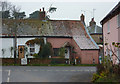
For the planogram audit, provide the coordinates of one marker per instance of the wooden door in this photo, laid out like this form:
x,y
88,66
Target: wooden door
x,y
21,51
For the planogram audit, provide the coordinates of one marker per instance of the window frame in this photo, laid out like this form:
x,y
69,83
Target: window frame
x,y
56,51
118,20
32,47
108,27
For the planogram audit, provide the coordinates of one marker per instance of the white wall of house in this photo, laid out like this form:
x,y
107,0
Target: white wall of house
x,y
7,43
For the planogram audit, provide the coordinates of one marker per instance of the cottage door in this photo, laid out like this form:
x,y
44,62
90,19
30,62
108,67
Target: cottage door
x,y
21,51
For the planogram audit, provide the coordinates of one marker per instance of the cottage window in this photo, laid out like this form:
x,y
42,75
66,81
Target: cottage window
x,y
56,51
32,48
108,26
118,20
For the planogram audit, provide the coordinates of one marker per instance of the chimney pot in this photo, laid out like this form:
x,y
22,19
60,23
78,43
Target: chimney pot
x,y
40,10
43,9
82,17
92,22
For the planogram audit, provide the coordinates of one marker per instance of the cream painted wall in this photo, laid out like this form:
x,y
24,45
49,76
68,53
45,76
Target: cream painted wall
x,y
7,43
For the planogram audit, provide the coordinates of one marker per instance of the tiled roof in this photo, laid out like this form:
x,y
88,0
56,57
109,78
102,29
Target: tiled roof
x,y
94,29
70,28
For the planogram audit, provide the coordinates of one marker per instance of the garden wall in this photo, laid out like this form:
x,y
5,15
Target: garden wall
x,y
10,61
38,61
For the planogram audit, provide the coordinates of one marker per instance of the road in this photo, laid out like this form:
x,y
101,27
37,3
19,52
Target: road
x,y
47,73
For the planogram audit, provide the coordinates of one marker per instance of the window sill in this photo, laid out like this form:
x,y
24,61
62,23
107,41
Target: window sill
x,y
108,33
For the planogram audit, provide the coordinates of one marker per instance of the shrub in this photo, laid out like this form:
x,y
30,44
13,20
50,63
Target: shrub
x,y
95,77
46,51
100,68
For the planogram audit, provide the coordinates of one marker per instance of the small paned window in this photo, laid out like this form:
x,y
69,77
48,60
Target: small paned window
x,y
32,48
56,51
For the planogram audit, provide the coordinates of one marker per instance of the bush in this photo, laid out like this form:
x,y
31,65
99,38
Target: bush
x,y
95,77
46,51
100,68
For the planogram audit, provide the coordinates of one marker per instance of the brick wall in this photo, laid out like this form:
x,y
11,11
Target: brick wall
x,y
88,56
10,61
38,61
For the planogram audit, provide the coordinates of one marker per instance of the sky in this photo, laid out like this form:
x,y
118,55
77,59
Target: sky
x,y
69,9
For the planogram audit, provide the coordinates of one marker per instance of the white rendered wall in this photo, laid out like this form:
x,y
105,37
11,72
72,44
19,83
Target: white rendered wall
x,y
7,43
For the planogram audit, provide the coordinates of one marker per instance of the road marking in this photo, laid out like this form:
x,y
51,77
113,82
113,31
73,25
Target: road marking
x,y
49,70
72,70
57,70
65,70
86,70
28,70
8,79
9,73
93,70
79,70
6,70
35,70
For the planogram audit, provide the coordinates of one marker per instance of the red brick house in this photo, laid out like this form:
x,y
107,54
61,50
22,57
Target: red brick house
x,y
60,33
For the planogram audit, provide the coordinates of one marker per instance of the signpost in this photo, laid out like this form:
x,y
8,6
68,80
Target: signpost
x,y
23,61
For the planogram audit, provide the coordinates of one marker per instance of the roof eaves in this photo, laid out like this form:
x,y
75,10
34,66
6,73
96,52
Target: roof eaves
x,y
112,13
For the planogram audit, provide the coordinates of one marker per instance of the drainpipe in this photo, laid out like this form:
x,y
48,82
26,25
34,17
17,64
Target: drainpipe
x,y
103,41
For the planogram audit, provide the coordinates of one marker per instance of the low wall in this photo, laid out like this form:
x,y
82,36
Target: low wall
x,y
10,61
38,61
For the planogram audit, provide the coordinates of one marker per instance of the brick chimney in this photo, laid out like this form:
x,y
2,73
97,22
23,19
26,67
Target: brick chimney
x,y
82,18
40,10
92,22
43,9
42,14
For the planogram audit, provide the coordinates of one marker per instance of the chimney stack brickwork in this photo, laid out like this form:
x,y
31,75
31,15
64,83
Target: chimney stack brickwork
x,y
82,17
42,14
92,22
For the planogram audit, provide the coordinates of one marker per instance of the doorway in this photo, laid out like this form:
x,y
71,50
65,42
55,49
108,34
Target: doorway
x,y
21,51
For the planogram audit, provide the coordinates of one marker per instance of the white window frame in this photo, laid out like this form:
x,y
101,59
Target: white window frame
x,y
32,47
108,26
118,20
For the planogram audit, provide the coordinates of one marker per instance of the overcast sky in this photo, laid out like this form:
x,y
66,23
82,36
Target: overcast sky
x,y
69,9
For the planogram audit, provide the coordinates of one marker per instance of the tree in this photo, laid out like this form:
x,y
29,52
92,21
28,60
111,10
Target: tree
x,y
11,11
5,14
16,14
5,6
52,9
46,51
19,15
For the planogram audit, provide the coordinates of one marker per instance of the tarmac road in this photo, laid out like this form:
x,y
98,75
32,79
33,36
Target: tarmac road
x,y
47,73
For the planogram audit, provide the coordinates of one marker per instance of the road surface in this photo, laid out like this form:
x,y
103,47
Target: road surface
x,y
47,73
